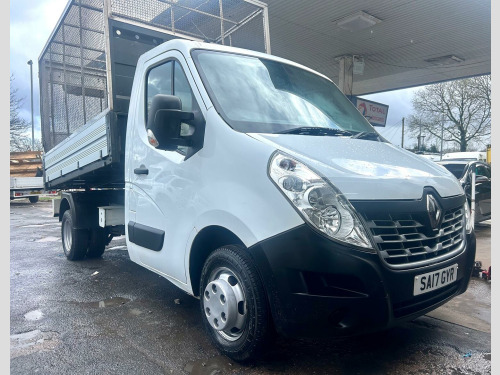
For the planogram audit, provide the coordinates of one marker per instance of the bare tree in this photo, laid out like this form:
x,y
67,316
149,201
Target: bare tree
x,y
459,110
23,143
18,125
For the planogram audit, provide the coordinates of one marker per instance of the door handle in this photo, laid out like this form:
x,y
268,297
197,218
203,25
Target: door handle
x,y
141,170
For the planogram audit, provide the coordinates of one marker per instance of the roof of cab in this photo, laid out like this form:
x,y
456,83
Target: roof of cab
x,y
186,46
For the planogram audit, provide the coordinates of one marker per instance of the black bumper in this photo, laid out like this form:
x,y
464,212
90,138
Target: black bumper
x,y
317,287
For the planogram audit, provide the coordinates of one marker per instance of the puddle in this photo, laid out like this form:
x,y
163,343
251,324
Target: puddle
x,y
33,315
49,239
31,342
37,225
214,366
111,302
117,248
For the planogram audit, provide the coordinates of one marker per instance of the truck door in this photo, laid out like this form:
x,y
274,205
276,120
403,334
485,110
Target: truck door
x,y
161,183
483,190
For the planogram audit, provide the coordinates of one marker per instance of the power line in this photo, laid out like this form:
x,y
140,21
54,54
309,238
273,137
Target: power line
x,y
392,130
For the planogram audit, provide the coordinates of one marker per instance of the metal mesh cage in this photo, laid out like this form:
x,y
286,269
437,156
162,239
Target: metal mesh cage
x,y
239,23
73,82
73,71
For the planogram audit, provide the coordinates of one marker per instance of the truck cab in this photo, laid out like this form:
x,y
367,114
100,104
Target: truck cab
x,y
253,184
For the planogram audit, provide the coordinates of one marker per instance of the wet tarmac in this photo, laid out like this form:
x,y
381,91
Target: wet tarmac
x,y
111,316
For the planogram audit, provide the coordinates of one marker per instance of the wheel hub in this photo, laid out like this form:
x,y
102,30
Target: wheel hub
x,y
67,238
224,305
220,304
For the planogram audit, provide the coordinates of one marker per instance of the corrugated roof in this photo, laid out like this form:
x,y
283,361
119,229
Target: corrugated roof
x,y
395,49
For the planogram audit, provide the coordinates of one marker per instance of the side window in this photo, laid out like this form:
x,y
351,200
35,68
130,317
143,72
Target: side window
x,y
159,81
169,79
481,170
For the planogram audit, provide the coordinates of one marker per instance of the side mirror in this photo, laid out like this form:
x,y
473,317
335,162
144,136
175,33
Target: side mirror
x,y
481,179
164,123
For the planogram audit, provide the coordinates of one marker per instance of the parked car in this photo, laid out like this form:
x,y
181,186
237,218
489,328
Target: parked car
x,y
462,169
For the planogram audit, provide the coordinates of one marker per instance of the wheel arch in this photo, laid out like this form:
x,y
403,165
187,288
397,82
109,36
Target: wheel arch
x,y
65,205
206,241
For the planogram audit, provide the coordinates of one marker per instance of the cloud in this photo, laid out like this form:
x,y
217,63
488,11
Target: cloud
x,y
31,23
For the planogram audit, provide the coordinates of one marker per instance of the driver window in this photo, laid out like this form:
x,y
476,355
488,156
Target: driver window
x,y
159,82
169,79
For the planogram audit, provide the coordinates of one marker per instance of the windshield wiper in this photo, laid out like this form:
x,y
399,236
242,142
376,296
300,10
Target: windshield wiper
x,y
367,135
308,130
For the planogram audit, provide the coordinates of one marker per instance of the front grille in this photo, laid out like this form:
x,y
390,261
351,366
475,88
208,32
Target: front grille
x,y
405,239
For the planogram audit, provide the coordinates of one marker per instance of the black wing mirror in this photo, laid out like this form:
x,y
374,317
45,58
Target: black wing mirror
x,y
164,123
481,179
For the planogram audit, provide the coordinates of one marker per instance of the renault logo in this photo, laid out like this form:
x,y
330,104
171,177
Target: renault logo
x,y
434,211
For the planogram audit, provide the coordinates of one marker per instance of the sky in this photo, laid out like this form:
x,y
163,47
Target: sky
x,y
399,102
31,23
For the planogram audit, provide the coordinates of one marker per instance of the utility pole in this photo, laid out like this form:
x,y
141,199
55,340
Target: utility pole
x,y
403,134
442,136
30,63
419,136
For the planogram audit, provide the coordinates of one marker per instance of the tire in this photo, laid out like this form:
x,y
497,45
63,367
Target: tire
x,y
97,242
75,241
242,314
33,199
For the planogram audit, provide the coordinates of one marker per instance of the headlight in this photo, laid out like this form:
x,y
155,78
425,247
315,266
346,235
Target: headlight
x,y
467,218
321,204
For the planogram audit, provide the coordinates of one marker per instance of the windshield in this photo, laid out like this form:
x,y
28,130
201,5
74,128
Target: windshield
x,y
256,95
457,169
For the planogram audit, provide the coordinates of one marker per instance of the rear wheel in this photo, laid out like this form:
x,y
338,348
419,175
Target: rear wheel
x,y
75,241
33,199
233,304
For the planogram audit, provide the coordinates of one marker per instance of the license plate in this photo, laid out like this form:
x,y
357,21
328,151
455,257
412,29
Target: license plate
x,y
428,282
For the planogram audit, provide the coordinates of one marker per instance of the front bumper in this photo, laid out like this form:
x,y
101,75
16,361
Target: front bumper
x,y
317,287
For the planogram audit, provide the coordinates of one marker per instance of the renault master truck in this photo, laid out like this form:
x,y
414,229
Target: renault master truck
x,y
248,181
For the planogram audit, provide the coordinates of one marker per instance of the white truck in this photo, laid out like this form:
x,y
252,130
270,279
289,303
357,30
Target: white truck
x,y
468,155
249,181
26,187
26,173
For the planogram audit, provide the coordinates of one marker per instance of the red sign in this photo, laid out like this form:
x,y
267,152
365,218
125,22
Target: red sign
x,y
375,113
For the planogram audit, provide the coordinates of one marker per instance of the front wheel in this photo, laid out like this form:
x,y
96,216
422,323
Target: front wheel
x,y
233,303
